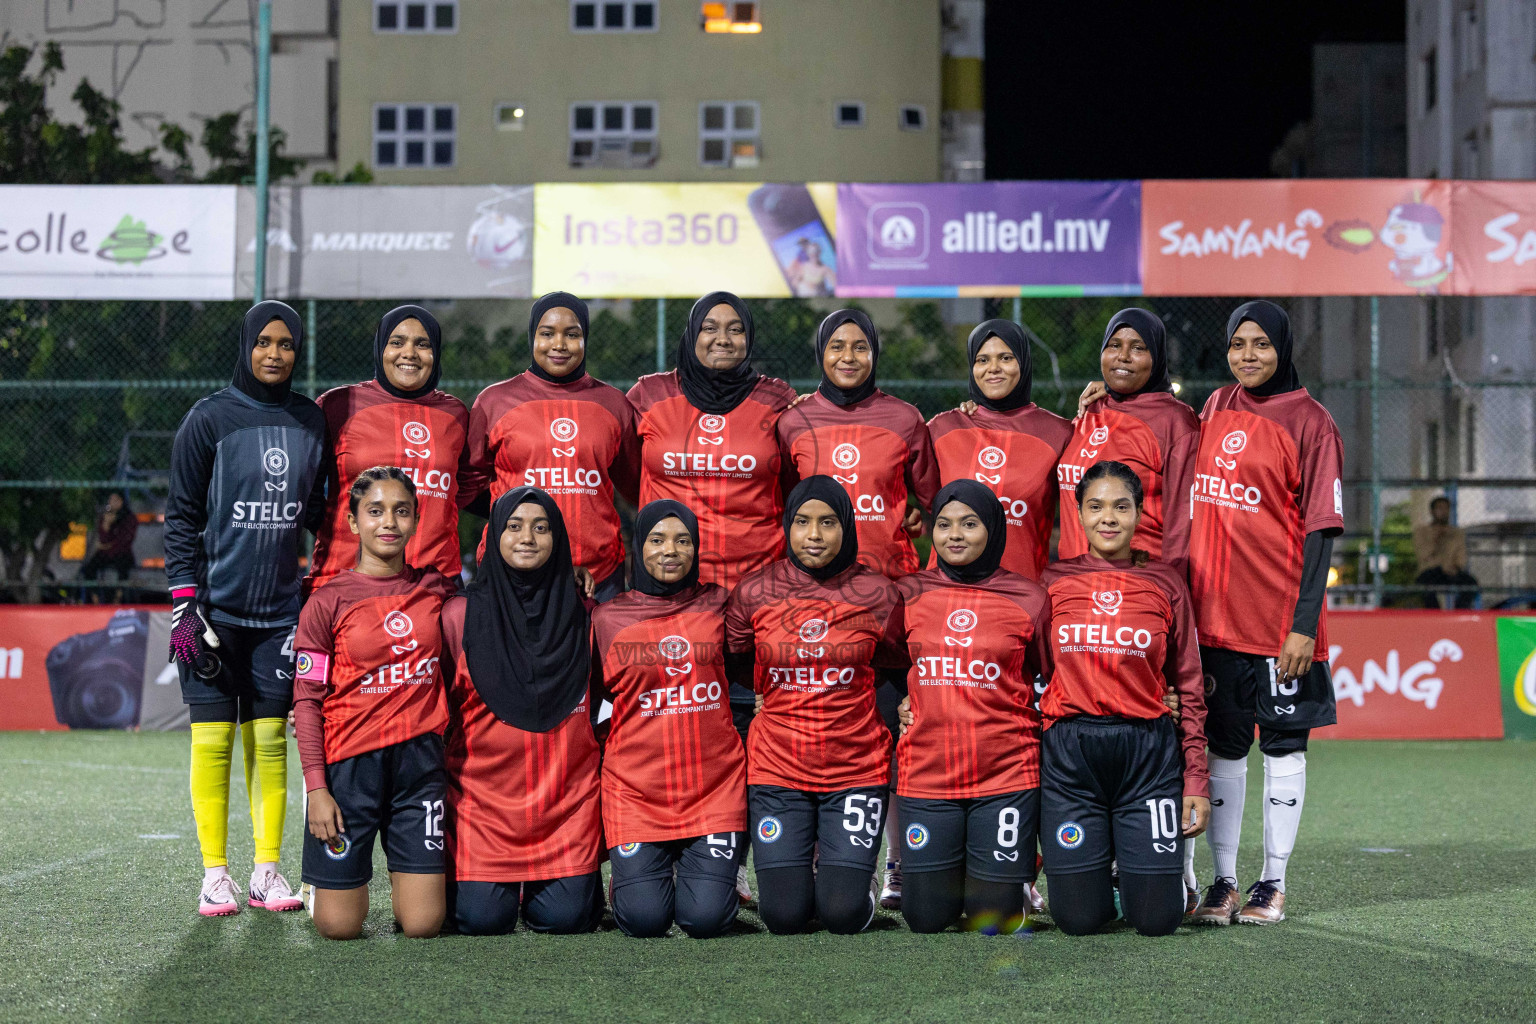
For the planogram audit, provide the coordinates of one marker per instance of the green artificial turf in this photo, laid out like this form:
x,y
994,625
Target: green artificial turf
x,y
1413,898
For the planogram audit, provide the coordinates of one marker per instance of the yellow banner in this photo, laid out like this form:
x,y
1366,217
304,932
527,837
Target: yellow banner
x,y
683,240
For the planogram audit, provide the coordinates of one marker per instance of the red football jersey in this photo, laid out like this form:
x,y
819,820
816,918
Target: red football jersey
x,y
1121,635
814,641
1267,473
1156,435
879,450
975,650
522,806
725,468
367,655
576,441
1014,453
673,767
366,426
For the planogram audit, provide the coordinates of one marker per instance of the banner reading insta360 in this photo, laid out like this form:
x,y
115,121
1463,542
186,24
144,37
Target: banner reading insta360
x,y
684,240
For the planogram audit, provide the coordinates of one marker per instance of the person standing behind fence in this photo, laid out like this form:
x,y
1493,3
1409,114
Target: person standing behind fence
x,y
1268,501
558,428
401,419
116,529
245,482
1133,418
1001,438
1440,550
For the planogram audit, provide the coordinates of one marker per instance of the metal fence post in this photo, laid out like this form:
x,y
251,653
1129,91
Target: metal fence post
x,y
314,341
1376,554
263,138
1018,310
661,335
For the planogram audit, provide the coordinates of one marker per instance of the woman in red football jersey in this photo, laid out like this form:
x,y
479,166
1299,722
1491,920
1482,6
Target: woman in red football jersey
x,y
968,761
1132,416
369,713
674,773
1120,782
558,428
1001,438
399,418
524,830
804,632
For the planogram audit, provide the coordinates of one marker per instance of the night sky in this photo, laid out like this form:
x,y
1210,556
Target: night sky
x,y
1158,89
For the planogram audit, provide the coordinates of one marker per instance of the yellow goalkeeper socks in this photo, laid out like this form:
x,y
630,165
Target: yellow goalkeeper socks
x,y
266,782
213,745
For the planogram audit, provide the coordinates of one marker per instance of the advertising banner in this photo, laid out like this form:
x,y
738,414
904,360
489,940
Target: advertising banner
x,y
1517,675
1494,234
681,241
405,241
1297,237
117,241
1414,675
991,238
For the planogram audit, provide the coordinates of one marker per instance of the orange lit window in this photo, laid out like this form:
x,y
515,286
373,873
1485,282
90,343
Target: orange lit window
x,y
731,17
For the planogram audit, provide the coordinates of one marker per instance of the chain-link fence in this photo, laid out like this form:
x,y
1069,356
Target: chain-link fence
x,y
91,393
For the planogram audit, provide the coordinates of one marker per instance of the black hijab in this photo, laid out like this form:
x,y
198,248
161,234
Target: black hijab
x,y
1150,326
525,633
834,320
545,303
716,391
257,318
645,522
823,488
1012,336
387,325
990,510
1277,325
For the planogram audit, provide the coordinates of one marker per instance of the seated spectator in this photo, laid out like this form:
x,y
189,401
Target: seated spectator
x,y
1441,550
115,531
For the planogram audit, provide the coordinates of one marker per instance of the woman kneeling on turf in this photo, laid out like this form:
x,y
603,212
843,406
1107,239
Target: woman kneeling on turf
x,y
369,712
674,774
1113,787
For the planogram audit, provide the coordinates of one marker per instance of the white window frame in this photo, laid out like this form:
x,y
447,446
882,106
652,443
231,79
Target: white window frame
x,y
730,135
428,136
431,27
837,114
922,117
629,16
607,143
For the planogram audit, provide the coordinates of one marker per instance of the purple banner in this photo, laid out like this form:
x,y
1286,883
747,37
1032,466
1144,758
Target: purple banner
x,y
990,238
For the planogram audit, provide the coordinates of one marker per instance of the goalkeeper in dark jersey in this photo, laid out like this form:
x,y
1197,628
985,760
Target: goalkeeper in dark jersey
x,y
244,486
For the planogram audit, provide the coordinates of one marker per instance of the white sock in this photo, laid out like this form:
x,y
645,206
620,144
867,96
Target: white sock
x,y
1229,785
1285,790
209,874
1190,881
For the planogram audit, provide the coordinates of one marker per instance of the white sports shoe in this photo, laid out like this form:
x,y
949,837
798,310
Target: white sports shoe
x,y
220,897
743,890
890,887
271,891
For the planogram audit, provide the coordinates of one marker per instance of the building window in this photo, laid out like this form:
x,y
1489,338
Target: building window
x,y
613,15
913,118
1469,436
1432,450
509,117
415,16
729,134
1431,82
412,135
848,114
739,18
613,134
1467,41
1431,327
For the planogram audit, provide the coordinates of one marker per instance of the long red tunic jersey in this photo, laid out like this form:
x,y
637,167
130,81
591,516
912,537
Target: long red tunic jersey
x,y
366,427
673,767
724,467
577,441
522,806
367,666
879,450
975,650
814,641
1156,435
1120,636
1014,453
1267,473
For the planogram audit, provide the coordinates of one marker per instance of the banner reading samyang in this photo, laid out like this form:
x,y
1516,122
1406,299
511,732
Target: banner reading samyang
x,y
1297,237
992,238
1494,236
621,240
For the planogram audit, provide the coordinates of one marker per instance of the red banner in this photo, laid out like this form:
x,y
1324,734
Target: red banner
x,y
76,666
1414,675
1494,236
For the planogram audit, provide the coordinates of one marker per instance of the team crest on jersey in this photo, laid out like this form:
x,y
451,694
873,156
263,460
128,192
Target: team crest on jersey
x,y
1235,442
1099,436
563,430
1070,836
416,433
770,829
711,424
917,836
845,456
992,457
274,461
398,624
961,620
813,631
674,647
339,847
303,663
628,849
1107,602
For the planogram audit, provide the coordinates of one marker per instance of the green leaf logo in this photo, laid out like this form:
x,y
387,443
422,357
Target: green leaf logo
x,y
131,242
